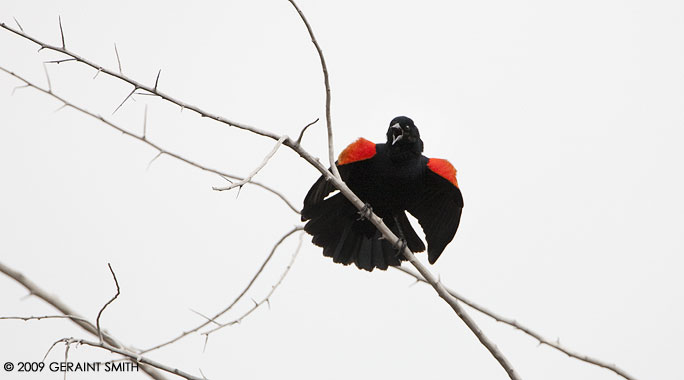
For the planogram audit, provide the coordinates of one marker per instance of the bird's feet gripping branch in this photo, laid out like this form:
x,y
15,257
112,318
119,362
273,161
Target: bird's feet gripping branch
x,y
365,212
394,177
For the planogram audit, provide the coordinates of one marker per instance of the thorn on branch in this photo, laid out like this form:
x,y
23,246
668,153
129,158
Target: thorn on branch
x,y
251,175
48,78
19,87
145,124
205,317
99,69
156,82
124,101
204,348
301,134
154,159
58,61
18,24
63,106
26,296
118,60
61,31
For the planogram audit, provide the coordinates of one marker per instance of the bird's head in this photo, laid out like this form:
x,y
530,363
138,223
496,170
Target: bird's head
x,y
403,136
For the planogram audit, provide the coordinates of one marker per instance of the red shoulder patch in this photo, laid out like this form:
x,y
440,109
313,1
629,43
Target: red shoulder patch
x,y
359,150
444,169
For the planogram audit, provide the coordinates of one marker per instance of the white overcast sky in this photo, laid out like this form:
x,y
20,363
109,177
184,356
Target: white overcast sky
x,y
565,121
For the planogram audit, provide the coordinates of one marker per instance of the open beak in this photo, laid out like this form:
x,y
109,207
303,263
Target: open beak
x,y
397,133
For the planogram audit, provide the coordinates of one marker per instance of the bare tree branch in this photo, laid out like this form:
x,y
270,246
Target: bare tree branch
x,y
301,134
387,234
326,80
256,170
335,180
99,314
525,329
235,301
71,314
149,89
265,299
134,357
37,318
145,140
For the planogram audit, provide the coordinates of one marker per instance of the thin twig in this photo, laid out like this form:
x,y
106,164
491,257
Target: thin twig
x,y
49,90
265,299
118,291
66,355
18,24
257,169
37,318
156,81
67,311
525,329
124,101
326,81
150,143
205,317
149,89
134,357
238,298
118,60
58,61
61,31
144,134
301,134
18,88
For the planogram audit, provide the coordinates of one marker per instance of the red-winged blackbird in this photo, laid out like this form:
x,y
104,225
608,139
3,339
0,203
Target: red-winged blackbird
x,y
392,178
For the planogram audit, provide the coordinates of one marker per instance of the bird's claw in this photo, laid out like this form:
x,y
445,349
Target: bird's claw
x,y
365,212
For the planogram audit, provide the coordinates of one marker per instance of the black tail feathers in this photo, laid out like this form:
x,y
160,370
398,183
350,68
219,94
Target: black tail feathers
x,y
336,227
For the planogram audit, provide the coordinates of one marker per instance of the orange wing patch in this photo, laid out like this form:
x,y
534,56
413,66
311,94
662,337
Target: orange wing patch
x,y
359,150
444,169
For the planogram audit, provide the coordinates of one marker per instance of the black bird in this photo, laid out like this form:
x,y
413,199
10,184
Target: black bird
x,y
392,178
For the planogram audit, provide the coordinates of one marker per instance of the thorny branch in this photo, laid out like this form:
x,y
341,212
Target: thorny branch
x,y
38,318
146,140
335,180
387,234
132,356
71,314
266,299
326,81
525,329
235,301
256,170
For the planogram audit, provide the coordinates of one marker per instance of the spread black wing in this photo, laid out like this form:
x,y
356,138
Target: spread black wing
x,y
438,210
